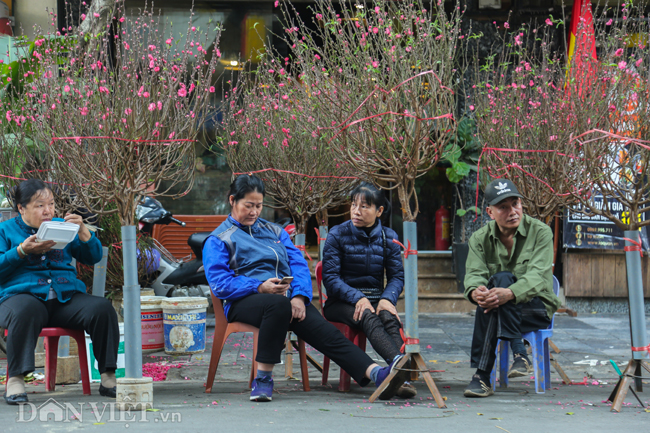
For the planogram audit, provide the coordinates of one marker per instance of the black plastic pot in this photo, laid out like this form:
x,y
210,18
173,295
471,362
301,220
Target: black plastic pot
x,y
459,253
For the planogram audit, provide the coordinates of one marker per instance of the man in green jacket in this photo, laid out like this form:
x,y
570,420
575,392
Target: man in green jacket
x,y
509,277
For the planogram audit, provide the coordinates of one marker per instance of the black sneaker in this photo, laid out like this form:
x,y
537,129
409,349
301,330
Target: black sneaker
x,y
520,367
406,391
478,387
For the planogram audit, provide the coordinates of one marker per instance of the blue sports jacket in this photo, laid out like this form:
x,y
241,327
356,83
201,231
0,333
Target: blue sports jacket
x,y
35,274
238,258
354,261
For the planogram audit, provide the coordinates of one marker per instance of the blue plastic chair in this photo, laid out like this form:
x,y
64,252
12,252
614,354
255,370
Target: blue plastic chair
x,y
541,356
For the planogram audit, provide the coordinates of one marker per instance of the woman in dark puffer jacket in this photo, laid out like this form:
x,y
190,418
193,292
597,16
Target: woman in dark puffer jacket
x,y
355,256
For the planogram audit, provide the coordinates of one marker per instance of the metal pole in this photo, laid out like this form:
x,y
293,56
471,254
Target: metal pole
x,y
64,346
322,233
411,287
99,274
635,296
299,241
131,298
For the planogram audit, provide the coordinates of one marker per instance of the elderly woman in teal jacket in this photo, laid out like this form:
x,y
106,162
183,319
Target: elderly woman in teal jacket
x,y
39,288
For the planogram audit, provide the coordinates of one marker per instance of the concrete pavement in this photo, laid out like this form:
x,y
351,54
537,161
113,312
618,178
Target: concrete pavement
x,y
586,342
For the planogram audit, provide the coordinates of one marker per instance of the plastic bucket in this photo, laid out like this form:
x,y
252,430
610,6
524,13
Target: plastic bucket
x,y
153,335
151,322
184,325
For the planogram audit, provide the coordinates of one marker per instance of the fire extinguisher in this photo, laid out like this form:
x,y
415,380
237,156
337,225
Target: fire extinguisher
x,y
442,235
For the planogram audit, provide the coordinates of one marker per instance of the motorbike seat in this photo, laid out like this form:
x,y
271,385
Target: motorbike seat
x,y
196,242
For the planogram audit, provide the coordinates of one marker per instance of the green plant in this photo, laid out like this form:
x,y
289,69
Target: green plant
x,y
462,155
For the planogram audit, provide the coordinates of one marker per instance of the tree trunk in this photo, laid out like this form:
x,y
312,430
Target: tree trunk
x,y
94,25
300,221
323,217
403,194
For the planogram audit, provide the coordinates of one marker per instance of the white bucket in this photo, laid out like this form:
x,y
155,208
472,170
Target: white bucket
x,y
151,316
153,339
184,325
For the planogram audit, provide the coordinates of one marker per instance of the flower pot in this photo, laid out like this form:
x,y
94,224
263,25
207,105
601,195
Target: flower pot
x,y
459,253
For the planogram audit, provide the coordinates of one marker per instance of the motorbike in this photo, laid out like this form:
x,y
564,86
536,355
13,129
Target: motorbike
x,y
173,277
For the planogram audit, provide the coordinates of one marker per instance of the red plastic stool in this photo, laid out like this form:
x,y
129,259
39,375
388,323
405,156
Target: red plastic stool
x,y
356,336
51,337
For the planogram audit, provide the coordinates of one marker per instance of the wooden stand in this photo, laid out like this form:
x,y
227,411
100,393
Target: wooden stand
x,y
556,365
288,358
416,359
637,324
625,383
310,358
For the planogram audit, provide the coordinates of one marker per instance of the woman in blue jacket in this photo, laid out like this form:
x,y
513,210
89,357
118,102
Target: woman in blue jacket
x,y
39,288
245,260
355,256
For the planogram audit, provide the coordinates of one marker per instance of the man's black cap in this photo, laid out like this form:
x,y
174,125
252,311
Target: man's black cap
x,y
500,189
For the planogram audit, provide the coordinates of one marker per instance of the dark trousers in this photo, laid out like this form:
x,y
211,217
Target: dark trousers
x,y
507,322
382,330
272,315
25,315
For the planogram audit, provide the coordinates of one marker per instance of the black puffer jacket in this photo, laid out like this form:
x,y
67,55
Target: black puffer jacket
x,y
353,260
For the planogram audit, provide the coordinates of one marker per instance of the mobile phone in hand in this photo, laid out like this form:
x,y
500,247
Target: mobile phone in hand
x,y
286,280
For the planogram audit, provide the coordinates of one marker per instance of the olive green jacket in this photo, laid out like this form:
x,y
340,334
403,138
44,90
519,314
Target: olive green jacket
x,y
531,262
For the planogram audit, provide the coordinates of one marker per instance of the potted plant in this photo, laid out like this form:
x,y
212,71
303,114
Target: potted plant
x,y
462,155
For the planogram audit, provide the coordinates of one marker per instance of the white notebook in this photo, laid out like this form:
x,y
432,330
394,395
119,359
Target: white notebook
x,y
60,232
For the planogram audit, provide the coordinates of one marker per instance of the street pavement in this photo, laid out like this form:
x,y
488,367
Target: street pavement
x,y
586,344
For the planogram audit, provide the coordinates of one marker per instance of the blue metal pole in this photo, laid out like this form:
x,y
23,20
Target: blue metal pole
x,y
131,297
99,274
64,346
322,233
411,328
299,240
635,296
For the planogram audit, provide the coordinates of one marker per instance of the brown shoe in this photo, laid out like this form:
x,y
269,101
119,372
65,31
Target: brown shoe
x,y
406,391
